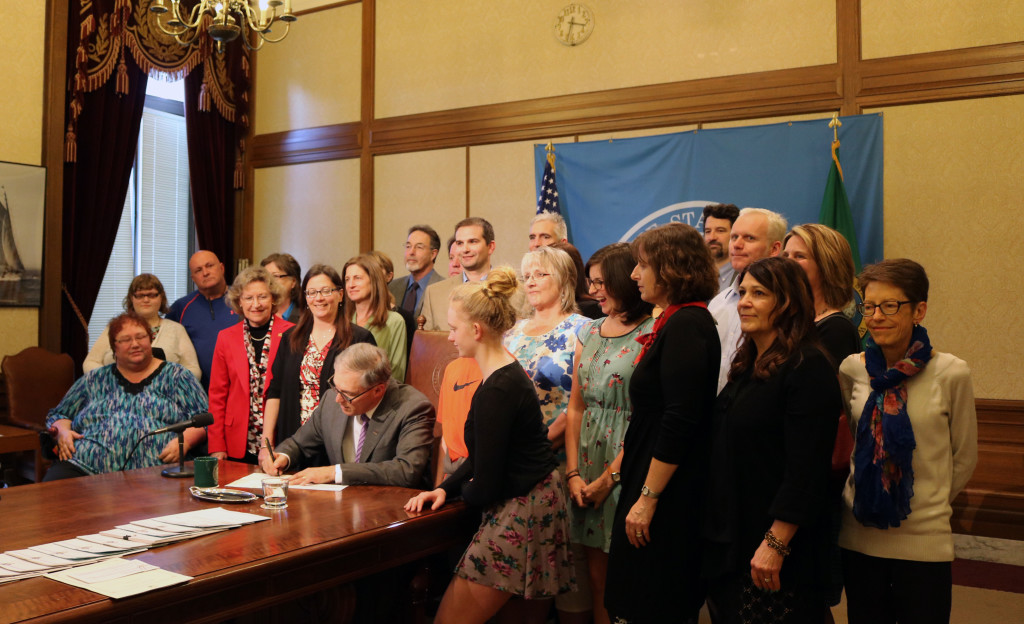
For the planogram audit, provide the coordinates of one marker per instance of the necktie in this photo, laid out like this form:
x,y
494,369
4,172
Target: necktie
x,y
409,303
362,437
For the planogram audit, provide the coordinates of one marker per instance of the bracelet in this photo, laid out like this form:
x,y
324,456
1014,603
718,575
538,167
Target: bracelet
x,y
571,474
775,543
577,475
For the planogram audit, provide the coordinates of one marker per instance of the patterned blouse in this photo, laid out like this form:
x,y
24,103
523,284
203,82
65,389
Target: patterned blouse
x,y
309,377
548,360
112,413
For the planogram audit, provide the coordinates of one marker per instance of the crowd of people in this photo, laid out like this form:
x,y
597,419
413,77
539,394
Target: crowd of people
x,y
689,419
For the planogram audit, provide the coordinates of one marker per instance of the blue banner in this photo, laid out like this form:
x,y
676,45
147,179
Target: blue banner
x,y
613,190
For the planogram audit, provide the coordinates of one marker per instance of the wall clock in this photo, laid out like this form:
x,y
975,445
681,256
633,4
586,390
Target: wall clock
x,y
574,24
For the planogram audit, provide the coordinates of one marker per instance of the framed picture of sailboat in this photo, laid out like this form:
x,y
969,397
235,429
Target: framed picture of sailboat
x,y
22,203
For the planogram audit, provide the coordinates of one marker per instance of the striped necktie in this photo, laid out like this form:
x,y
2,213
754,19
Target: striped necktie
x,y
362,436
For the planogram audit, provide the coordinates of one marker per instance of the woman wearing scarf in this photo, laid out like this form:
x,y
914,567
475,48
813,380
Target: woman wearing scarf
x,y
242,362
916,445
766,515
654,560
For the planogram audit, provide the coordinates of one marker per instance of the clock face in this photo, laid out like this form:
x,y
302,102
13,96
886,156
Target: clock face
x,y
574,24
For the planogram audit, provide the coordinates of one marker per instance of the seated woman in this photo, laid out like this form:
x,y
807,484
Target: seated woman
x,y
303,366
521,548
916,445
101,418
368,303
286,270
242,363
767,518
146,297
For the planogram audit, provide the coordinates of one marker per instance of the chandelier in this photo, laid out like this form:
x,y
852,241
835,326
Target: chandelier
x,y
224,20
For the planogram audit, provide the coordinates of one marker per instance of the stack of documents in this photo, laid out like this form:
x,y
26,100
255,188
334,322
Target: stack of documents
x,y
95,550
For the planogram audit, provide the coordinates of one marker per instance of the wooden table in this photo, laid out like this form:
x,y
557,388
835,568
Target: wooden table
x,y
17,440
321,539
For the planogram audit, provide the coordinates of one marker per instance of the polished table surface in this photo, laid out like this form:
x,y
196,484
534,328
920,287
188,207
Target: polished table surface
x,y
320,540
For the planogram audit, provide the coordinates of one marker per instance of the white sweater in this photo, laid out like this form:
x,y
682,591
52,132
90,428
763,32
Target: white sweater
x,y
172,338
940,403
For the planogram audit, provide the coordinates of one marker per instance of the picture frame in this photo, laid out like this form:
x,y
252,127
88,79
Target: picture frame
x,y
22,214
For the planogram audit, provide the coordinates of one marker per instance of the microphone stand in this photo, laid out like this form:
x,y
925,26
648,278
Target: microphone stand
x,y
179,472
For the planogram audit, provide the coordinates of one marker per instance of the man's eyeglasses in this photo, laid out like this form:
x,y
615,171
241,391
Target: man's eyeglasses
x,y
344,397
888,308
323,292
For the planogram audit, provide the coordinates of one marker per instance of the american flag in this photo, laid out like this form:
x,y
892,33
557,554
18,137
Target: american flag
x,y
547,201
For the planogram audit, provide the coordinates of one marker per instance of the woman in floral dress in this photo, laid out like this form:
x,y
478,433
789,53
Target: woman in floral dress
x,y
599,407
545,345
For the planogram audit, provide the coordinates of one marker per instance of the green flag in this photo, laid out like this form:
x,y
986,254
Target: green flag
x,y
835,206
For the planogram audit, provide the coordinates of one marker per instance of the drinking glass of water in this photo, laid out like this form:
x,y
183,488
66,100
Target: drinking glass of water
x,y
275,493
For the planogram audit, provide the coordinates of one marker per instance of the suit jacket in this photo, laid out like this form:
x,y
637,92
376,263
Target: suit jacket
x,y
435,303
398,286
229,387
398,441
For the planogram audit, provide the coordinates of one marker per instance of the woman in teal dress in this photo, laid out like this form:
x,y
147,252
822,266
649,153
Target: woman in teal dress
x,y
599,407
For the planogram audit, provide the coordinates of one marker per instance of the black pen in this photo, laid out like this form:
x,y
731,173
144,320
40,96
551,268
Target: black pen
x,y
266,444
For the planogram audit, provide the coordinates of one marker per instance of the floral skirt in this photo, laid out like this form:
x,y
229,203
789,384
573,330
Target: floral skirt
x,y
522,546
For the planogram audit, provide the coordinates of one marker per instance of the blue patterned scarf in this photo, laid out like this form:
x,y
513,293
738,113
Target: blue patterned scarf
x,y
883,470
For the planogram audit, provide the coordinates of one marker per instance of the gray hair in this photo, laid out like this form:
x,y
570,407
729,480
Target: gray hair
x,y
561,232
249,275
777,225
370,361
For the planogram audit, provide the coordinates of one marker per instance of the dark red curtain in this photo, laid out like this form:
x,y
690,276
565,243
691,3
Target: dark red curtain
x,y
211,168
95,186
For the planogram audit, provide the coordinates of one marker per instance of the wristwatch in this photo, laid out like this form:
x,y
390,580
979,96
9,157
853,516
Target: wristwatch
x,y
616,477
649,493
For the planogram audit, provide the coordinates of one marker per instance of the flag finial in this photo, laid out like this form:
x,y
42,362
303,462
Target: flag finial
x,y
550,149
835,124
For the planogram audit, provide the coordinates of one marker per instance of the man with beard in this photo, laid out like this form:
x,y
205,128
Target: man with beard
x,y
421,249
718,220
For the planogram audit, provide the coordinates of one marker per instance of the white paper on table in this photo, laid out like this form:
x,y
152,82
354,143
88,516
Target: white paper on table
x,y
99,548
212,517
147,530
13,564
152,523
254,481
123,578
121,545
66,552
43,559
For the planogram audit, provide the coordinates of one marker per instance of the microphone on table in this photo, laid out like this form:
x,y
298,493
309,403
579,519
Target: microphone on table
x,y
202,419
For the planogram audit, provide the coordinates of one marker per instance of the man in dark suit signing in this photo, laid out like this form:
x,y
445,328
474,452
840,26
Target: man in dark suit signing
x,y
374,430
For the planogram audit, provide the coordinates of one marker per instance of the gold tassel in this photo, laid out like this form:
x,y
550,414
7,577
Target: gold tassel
x,y
204,99
70,146
122,77
245,65
238,173
87,28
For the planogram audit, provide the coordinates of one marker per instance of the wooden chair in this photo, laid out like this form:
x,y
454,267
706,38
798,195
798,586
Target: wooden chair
x,y
430,355
36,380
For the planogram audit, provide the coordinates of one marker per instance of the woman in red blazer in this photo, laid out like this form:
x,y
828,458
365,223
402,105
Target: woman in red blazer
x,y
242,361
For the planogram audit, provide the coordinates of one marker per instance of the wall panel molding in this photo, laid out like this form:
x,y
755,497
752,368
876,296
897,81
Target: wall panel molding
x,y
306,145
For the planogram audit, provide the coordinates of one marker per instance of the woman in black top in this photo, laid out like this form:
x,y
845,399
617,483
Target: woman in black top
x,y
825,256
654,560
766,517
305,363
522,546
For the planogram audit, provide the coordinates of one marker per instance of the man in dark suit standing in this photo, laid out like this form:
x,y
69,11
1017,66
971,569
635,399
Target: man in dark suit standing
x,y
375,431
421,249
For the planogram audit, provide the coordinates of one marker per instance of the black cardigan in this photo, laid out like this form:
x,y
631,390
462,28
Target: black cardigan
x,y
286,386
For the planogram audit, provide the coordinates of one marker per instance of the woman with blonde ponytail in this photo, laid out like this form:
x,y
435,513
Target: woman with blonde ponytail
x,y
510,473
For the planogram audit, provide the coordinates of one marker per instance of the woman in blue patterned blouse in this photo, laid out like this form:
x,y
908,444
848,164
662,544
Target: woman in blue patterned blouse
x,y
104,414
